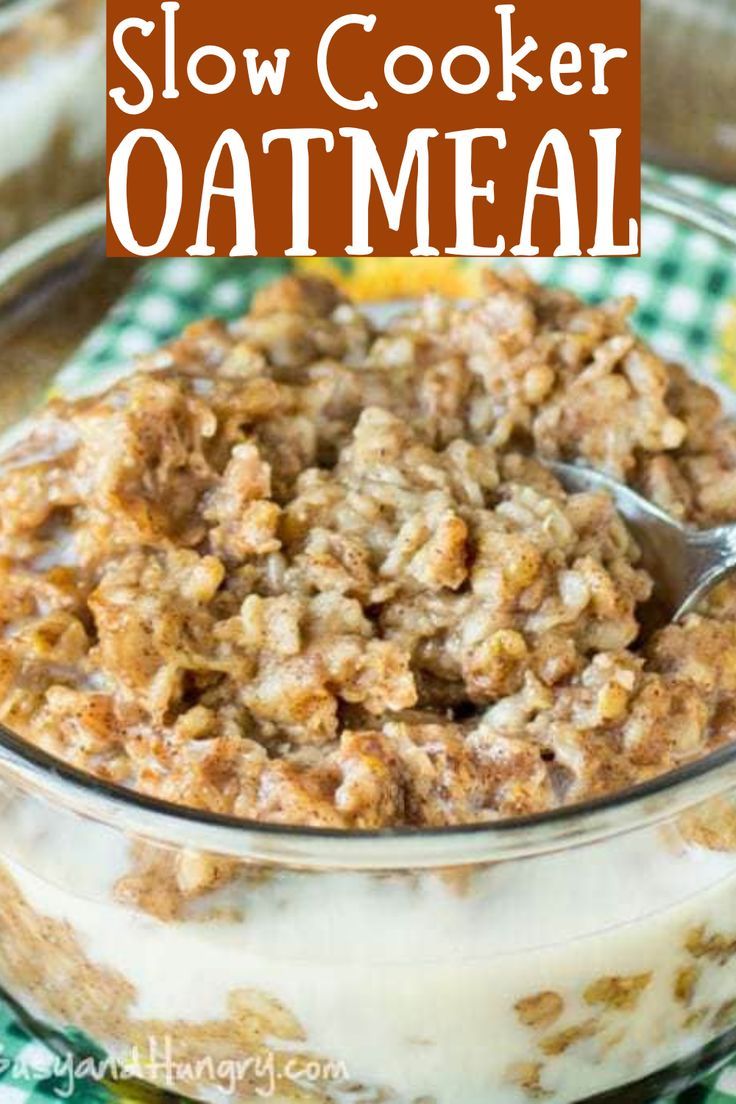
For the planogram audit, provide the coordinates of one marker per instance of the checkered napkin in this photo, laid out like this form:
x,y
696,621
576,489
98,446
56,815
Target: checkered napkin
x,y
685,285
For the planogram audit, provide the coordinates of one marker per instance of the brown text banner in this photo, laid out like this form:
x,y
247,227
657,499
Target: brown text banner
x,y
390,128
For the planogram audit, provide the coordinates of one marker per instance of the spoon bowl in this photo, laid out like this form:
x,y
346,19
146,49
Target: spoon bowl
x,y
685,563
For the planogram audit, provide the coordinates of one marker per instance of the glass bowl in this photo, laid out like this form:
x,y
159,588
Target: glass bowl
x,y
584,955
688,45
52,103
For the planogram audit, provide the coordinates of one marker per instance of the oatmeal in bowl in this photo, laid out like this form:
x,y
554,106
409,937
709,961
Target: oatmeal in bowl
x,y
403,795
310,573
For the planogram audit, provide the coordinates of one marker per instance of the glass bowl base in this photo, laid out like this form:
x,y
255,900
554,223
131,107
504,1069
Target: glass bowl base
x,y
674,1079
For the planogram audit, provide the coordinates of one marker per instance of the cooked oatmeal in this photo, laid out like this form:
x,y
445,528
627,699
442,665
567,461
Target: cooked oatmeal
x,y
306,571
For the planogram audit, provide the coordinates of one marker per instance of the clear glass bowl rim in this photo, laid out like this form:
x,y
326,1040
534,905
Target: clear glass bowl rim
x,y
59,784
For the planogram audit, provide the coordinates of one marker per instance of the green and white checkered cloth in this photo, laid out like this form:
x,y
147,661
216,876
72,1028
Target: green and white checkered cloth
x,y
685,284
31,1072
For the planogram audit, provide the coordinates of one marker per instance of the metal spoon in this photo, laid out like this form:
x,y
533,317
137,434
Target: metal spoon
x,y
684,563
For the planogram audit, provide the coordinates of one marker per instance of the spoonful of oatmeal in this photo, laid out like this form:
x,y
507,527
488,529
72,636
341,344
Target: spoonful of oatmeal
x,y
685,564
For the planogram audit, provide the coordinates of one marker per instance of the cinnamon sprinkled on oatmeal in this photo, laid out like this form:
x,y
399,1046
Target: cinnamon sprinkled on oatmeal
x,y
303,571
